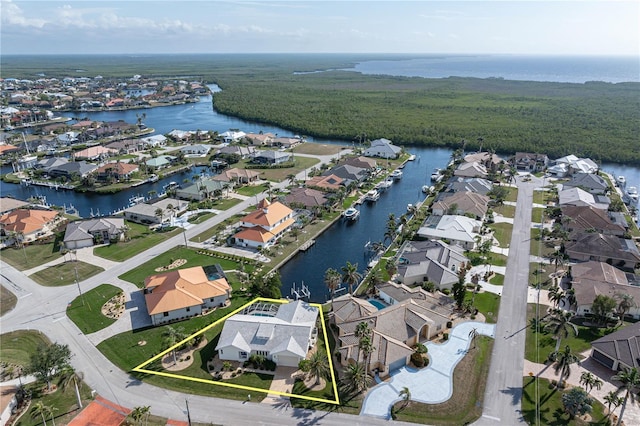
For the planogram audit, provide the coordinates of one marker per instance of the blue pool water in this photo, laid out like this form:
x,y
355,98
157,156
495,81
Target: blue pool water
x,y
378,304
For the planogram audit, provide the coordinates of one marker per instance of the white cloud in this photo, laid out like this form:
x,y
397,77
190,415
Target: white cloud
x,y
12,14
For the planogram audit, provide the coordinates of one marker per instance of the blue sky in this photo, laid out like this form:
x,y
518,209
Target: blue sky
x,y
262,26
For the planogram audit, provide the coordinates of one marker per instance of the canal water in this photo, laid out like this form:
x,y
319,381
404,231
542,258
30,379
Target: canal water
x,y
341,243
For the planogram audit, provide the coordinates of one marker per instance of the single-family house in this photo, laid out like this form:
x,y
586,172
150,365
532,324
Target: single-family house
x,y
382,148
202,190
184,293
260,139
28,225
360,162
613,250
328,182
281,333
86,233
477,185
580,197
578,165
270,157
70,169
306,197
349,174
619,350
286,143
589,219
160,162
196,150
460,230
93,153
489,160
158,212
590,182
469,170
232,136
180,135
559,170
462,203
396,329
238,176
430,260
116,171
8,204
265,226
239,150
154,141
529,162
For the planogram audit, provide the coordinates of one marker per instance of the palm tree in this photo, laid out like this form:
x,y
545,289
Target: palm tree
x,y
159,214
612,398
629,379
405,394
563,360
138,413
39,409
560,325
589,381
556,295
332,280
625,303
365,343
319,365
291,177
171,337
558,258
355,378
350,275
472,336
68,376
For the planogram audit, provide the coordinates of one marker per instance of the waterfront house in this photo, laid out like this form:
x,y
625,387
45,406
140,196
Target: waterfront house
x,y
8,204
241,151
86,233
184,293
396,329
202,190
160,162
286,142
28,225
578,165
260,139
95,153
158,212
619,350
383,148
71,169
459,230
307,198
360,162
430,260
282,333
462,203
476,185
580,197
470,170
589,219
265,226
116,172
154,141
488,160
529,162
195,150
590,182
328,182
127,146
232,136
179,135
349,174
610,249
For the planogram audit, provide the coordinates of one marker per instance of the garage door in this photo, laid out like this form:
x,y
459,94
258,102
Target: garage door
x,y
397,364
288,361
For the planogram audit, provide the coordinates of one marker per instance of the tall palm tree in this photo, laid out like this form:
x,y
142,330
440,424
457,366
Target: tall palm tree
x,y
612,398
355,378
629,380
589,381
558,258
350,275
332,280
556,295
40,409
319,365
365,343
69,376
563,360
560,325
625,303
171,337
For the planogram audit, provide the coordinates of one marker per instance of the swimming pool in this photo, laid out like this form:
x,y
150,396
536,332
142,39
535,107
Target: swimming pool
x,y
378,304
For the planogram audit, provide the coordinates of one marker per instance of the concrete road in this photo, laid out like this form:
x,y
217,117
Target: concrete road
x,y
503,393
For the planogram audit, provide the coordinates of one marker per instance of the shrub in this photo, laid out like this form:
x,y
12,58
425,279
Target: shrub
x,y
446,291
445,336
449,324
417,359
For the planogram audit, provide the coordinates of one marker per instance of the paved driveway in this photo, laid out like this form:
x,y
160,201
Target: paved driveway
x,y
433,384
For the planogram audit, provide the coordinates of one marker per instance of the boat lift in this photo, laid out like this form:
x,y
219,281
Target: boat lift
x,y
300,293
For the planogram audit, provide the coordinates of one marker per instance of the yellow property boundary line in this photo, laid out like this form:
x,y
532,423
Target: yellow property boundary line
x,y
140,368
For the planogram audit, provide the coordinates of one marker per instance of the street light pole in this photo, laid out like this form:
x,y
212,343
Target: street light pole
x,y
75,268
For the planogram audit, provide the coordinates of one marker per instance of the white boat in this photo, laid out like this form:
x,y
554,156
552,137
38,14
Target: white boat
x,y
170,185
351,213
385,184
412,157
622,181
372,195
427,189
411,208
632,192
435,176
396,174
136,200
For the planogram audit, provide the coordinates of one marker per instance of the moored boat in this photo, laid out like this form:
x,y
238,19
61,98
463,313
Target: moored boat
x,y
427,189
412,157
372,195
351,213
632,192
436,176
622,181
396,174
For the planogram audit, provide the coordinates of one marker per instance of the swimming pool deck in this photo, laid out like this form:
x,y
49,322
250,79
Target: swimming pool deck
x,y
431,385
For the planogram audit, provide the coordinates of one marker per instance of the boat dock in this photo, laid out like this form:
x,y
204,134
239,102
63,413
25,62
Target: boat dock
x,y
307,245
54,185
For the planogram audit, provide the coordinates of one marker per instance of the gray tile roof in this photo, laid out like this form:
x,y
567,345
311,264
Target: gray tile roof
x,y
622,345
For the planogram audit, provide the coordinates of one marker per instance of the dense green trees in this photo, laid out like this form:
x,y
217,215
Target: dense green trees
x,y
48,360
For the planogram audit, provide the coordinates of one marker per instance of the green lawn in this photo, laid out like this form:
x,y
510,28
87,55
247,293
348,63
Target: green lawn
x,y
502,232
140,239
550,406
537,215
497,279
85,311
30,256
64,402
8,300
137,275
506,210
200,217
17,346
465,404
216,230
546,342
251,190
225,203
539,273
540,197
512,194
487,303
538,248
65,273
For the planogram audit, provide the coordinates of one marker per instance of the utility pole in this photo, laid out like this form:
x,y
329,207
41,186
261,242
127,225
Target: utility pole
x,y
186,401
75,268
